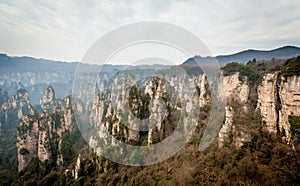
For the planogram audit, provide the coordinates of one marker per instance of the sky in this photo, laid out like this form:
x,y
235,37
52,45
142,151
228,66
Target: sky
x,y
64,30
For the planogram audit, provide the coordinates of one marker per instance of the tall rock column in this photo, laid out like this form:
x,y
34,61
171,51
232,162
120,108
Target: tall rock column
x,y
203,90
27,140
289,95
48,99
267,101
232,88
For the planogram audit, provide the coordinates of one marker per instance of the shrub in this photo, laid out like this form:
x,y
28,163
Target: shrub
x,y
24,151
292,67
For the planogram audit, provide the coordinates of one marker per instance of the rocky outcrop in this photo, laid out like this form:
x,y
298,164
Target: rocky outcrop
x,y
48,99
3,99
289,95
41,135
148,113
19,103
233,89
279,97
231,86
268,101
203,91
158,106
12,109
226,128
27,140
77,167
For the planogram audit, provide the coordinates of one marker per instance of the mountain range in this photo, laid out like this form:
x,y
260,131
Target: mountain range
x,y
247,55
30,64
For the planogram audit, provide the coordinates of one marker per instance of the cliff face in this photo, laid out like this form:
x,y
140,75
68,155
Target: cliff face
x,y
268,101
41,135
12,109
289,94
279,97
27,140
204,91
146,115
3,99
232,89
226,128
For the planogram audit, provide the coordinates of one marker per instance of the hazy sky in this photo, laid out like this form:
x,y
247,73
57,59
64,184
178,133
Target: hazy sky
x,y
64,30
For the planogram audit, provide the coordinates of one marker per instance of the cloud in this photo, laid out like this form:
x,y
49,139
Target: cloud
x,y
64,30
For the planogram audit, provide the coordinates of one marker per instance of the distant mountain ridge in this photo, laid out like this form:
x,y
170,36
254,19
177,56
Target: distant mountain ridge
x,y
245,56
30,64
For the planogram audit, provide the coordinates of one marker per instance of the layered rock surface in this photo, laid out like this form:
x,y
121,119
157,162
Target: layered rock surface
x,y
40,135
232,88
12,109
268,101
128,111
279,97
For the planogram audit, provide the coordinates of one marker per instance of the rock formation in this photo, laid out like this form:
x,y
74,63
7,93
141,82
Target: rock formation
x,y
48,101
41,135
225,130
12,109
77,167
279,97
19,103
204,91
27,140
146,115
232,88
268,101
289,95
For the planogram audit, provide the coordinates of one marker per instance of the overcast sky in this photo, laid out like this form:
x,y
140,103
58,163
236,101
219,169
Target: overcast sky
x,y
64,30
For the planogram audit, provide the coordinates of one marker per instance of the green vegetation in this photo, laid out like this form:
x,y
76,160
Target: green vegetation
x,y
24,151
295,129
288,67
67,151
139,103
57,116
291,67
192,70
23,128
183,69
278,106
295,123
251,70
135,157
